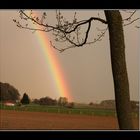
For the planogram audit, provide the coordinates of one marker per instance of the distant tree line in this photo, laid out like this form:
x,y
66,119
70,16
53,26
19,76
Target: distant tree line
x,y
62,101
10,93
45,101
110,104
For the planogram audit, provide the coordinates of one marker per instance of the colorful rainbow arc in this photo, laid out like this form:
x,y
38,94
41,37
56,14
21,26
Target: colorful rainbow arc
x,y
54,66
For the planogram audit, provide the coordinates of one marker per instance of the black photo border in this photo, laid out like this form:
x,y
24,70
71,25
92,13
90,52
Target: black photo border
x,y
72,134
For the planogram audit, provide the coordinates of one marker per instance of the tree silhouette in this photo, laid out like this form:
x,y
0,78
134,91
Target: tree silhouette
x,y
8,92
25,99
62,101
66,31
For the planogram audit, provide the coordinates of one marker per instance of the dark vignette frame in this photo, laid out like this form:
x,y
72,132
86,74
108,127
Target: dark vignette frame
x,y
69,4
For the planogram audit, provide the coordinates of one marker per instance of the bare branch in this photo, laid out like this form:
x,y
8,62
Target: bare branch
x,y
131,22
99,37
63,31
128,11
130,16
36,21
62,50
66,31
85,40
33,29
78,23
88,43
87,21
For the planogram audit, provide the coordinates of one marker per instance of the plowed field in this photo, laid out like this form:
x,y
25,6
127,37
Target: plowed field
x,y
43,120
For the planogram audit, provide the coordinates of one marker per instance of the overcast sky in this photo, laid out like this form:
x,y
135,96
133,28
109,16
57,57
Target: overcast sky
x,y
87,69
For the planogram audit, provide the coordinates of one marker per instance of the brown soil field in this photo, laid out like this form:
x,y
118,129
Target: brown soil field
x,y
53,121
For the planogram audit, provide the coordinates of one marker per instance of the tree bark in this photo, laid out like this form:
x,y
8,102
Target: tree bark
x,y
119,70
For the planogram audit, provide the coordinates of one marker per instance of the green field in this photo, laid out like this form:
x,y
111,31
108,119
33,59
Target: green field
x,y
63,110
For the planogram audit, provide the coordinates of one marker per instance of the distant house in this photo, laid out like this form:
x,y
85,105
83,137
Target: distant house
x,y
9,103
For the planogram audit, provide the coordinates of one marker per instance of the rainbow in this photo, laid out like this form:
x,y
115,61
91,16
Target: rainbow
x,y
52,61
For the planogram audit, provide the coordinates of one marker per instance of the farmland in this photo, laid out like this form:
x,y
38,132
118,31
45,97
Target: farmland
x,y
55,117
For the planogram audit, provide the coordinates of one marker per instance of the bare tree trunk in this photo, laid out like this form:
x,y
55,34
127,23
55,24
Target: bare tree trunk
x,y
119,70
